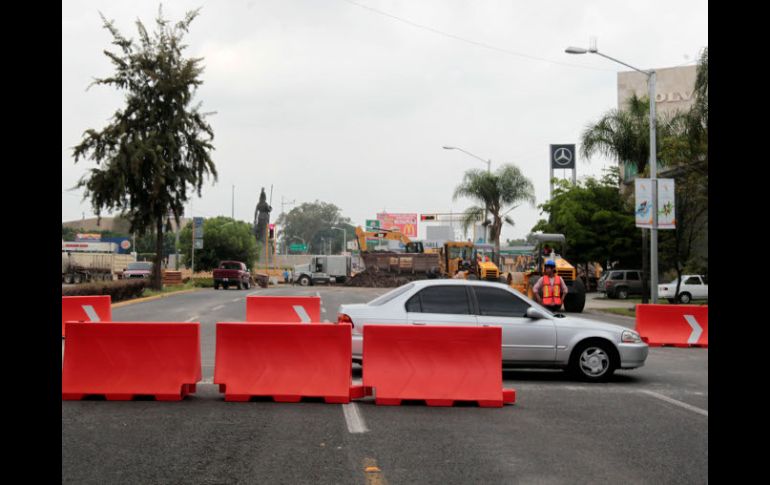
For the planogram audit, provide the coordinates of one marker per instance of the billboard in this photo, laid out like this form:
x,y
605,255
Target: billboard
x,y
406,223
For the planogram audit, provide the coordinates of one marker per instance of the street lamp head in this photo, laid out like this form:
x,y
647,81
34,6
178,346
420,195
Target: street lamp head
x,y
575,50
448,148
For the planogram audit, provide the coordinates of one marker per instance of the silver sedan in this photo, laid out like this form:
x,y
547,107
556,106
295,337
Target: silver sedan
x,y
532,335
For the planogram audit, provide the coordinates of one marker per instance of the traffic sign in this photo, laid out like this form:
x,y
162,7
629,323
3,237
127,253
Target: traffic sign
x,y
372,224
298,247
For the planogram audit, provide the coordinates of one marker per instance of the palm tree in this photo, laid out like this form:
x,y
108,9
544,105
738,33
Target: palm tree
x,y
623,134
505,189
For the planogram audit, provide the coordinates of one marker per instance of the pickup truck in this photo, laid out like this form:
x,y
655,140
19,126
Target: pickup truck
x,y
232,273
693,287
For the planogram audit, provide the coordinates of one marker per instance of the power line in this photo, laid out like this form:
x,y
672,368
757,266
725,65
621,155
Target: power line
x,y
473,42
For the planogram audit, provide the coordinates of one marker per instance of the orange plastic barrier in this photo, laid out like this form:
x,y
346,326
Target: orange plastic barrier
x,y
289,309
85,309
122,360
287,361
676,325
438,364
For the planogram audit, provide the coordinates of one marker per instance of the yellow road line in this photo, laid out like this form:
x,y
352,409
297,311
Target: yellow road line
x,y
373,473
155,297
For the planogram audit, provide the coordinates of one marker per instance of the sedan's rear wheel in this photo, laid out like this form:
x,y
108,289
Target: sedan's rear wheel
x,y
593,361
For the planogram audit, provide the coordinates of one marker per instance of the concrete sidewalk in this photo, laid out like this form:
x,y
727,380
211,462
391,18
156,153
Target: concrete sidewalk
x,y
595,301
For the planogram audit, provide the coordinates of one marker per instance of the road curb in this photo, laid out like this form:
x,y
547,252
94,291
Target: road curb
x,y
150,298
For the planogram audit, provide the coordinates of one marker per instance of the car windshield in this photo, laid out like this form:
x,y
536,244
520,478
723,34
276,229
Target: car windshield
x,y
382,299
141,266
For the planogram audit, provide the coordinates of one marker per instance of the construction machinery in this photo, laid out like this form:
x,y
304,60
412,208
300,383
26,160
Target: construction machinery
x,y
388,235
528,270
474,260
395,265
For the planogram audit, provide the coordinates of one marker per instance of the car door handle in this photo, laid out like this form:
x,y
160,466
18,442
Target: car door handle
x,y
419,323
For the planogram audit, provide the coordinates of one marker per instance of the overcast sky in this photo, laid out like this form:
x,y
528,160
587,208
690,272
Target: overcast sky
x,y
328,100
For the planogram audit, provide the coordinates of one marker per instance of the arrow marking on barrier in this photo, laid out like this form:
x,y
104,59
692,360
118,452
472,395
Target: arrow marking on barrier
x,y
696,329
301,313
92,315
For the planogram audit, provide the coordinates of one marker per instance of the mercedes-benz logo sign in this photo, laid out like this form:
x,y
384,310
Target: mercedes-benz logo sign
x,y
562,156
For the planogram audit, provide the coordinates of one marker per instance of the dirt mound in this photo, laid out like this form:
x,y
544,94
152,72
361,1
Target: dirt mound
x,y
371,278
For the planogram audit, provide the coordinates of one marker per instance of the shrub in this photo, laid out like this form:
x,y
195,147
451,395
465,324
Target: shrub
x,y
118,290
203,282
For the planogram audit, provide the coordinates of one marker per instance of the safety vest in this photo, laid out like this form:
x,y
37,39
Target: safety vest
x,y
555,298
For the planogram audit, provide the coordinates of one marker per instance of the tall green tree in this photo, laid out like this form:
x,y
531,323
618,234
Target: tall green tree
x,y
224,239
596,220
157,147
686,149
311,223
498,192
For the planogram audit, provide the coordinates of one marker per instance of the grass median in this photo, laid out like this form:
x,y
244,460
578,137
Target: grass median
x,y
168,289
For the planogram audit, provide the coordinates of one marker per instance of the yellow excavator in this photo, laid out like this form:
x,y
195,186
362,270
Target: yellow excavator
x,y
474,260
387,235
412,260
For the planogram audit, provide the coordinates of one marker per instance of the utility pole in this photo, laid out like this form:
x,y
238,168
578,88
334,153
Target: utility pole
x,y
285,243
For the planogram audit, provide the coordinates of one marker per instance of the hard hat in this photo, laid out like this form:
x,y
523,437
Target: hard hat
x,y
550,262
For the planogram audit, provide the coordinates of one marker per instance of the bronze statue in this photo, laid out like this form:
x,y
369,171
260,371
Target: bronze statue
x,y
261,217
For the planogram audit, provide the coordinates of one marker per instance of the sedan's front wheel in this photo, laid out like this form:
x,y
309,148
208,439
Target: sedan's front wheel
x,y
593,361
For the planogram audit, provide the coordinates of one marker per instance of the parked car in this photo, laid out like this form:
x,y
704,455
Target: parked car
x,y
693,287
139,269
532,335
621,283
232,273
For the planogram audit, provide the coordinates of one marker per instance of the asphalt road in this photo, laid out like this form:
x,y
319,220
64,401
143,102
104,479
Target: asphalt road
x,y
645,426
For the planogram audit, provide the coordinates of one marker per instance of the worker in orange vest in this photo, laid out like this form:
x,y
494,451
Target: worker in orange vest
x,y
550,290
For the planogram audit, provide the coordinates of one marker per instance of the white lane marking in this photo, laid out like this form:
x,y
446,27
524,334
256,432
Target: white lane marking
x,y
353,418
700,411
218,307
696,329
92,316
327,321
323,310
192,318
300,311
237,299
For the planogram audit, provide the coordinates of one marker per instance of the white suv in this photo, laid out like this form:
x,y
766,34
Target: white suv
x,y
693,287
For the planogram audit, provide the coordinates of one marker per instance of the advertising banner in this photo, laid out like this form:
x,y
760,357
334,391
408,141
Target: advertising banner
x,y
666,204
406,223
643,203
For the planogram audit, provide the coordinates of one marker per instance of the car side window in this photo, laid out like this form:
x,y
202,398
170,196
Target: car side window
x,y
444,299
413,305
632,275
499,303
692,280
616,275
705,280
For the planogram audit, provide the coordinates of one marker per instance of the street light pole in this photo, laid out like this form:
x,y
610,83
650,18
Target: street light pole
x,y
653,164
489,171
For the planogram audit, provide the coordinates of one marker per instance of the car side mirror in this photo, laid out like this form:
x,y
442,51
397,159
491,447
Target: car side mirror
x,y
535,313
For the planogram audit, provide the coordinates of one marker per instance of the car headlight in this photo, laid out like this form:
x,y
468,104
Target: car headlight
x,y
630,337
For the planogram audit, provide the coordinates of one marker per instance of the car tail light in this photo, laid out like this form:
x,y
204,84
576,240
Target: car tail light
x,y
343,318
